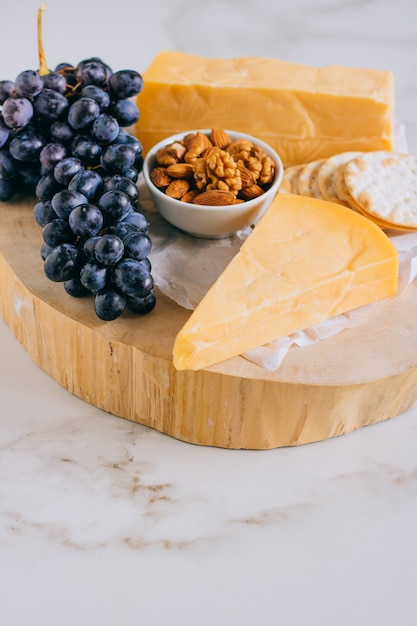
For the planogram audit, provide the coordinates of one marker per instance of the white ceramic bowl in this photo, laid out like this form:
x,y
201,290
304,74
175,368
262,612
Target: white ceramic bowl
x,y
212,222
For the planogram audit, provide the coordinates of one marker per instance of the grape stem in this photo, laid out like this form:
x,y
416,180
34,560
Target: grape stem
x,y
43,67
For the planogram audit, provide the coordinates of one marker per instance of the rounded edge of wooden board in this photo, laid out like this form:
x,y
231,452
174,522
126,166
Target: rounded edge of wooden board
x,y
125,367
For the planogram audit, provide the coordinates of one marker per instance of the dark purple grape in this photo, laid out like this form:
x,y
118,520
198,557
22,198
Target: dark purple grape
x,y
61,132
64,201
94,276
115,205
44,213
67,70
54,81
47,187
93,72
138,220
61,263
125,83
137,246
45,251
7,190
49,106
143,305
82,63
89,247
86,220
121,229
57,232
6,90
109,304
17,112
4,132
28,84
105,128
26,145
132,173
109,249
65,170
28,174
87,182
98,94
118,158
146,262
8,167
121,183
132,278
75,288
51,154
87,150
130,140
125,111
82,113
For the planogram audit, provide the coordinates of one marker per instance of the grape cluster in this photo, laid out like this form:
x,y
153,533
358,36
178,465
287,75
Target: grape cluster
x,y
63,137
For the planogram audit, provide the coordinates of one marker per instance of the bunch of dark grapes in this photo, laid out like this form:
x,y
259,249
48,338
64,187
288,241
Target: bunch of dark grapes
x,y
63,137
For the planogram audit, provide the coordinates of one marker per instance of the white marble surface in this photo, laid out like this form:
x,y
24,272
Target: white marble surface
x,y
104,522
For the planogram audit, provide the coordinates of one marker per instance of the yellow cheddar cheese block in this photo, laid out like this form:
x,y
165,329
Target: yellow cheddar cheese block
x,y
304,113
305,261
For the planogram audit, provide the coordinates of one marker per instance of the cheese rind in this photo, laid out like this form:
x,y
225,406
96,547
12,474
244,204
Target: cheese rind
x,y
305,261
303,112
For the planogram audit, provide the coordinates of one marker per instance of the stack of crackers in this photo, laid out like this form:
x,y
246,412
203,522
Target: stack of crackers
x,y
381,185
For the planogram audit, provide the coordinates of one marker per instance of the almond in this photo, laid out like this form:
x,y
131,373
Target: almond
x,y
215,197
246,175
159,177
251,192
220,138
177,188
190,195
180,170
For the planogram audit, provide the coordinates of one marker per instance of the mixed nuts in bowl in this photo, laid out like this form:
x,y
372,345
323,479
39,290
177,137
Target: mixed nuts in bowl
x,y
213,182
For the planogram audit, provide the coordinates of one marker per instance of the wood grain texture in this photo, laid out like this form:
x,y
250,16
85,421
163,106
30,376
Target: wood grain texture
x,y
360,377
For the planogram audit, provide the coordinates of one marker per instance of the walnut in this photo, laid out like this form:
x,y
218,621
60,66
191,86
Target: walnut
x,y
240,149
217,170
171,154
195,144
178,148
254,166
266,175
253,158
200,174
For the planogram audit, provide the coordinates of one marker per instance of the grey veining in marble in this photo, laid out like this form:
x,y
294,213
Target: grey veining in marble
x,y
104,522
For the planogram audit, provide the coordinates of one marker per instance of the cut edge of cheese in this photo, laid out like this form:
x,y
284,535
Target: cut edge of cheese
x,y
303,112
305,261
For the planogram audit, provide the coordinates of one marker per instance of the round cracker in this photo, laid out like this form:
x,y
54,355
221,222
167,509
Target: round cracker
x,y
307,180
289,182
383,184
328,173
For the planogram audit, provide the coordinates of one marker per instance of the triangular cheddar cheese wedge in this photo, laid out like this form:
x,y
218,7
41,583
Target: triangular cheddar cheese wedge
x,y
305,261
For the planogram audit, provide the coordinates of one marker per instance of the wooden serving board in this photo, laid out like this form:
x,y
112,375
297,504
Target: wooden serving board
x,y
361,376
